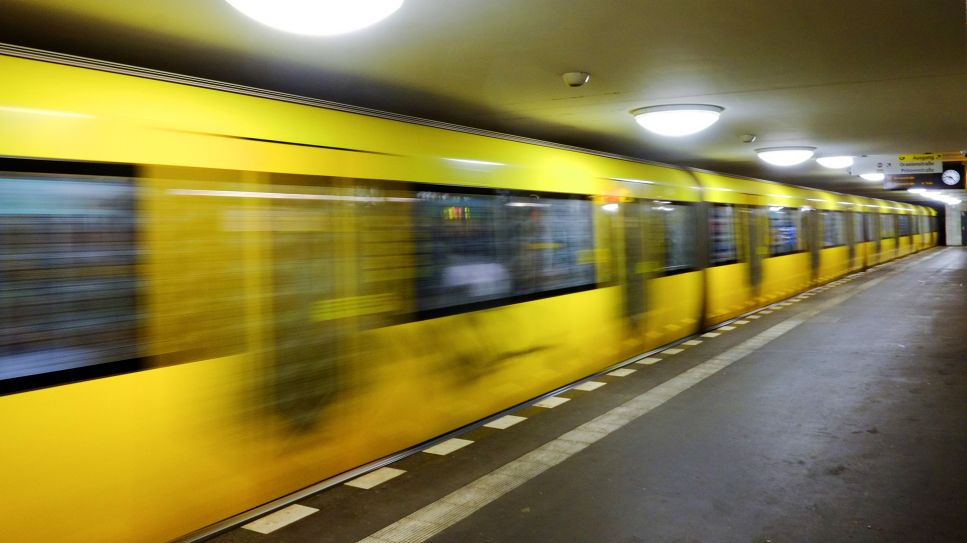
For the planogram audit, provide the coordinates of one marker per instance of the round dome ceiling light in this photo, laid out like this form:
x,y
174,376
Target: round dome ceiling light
x,y
677,120
317,17
873,176
785,156
835,162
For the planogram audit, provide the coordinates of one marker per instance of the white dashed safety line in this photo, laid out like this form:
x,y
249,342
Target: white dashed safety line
x,y
712,334
623,372
505,422
693,342
280,519
551,402
741,322
448,446
648,361
375,478
726,328
670,352
588,386
456,506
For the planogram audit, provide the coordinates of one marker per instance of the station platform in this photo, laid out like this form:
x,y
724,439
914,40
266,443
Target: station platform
x,y
838,415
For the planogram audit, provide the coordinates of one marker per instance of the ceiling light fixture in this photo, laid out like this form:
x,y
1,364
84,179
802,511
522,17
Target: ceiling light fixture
x,y
873,176
317,17
785,156
916,190
677,120
835,162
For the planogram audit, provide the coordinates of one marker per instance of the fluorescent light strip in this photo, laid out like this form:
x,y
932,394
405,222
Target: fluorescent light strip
x,y
47,112
475,162
286,196
629,180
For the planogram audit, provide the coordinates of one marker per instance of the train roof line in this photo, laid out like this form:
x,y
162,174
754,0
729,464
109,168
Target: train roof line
x,y
171,77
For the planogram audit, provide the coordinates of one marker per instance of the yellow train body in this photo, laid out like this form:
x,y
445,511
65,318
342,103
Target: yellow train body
x,y
231,190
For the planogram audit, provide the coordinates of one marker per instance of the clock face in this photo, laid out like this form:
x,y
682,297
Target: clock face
x,y
950,177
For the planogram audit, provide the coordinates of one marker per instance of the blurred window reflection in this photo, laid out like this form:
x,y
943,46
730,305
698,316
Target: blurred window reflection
x,y
67,273
887,226
903,222
722,234
679,221
478,246
833,230
785,225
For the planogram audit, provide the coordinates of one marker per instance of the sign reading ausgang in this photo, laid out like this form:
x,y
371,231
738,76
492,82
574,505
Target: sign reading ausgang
x,y
898,164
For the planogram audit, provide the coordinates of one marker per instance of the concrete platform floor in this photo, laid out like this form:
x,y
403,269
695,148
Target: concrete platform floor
x,y
839,417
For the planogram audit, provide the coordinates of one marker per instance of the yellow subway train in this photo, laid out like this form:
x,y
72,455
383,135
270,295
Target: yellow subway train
x,y
211,298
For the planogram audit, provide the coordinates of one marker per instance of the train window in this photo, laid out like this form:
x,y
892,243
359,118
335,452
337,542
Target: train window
x,y
485,248
785,231
869,220
722,234
858,230
67,268
903,223
887,226
833,229
678,221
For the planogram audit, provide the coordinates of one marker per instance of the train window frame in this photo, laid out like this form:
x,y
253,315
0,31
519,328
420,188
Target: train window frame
x,y
841,238
522,198
691,220
735,259
799,223
85,171
903,223
885,219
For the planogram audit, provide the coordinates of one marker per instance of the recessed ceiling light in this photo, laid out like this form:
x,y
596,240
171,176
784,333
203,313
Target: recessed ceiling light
x,y
677,120
917,190
785,156
836,162
317,17
873,176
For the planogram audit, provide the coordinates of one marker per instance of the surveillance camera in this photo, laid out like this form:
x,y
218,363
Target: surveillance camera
x,y
575,79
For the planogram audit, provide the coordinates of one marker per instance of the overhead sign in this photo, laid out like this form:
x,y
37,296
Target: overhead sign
x,y
920,157
898,164
951,177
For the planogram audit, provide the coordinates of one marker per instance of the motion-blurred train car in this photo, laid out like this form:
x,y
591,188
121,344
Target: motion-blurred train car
x,y
210,298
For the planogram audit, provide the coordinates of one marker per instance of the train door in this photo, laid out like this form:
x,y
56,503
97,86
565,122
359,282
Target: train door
x,y
755,249
850,240
877,238
811,224
963,227
326,244
633,225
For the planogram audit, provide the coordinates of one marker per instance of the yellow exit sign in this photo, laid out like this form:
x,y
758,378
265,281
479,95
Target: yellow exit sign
x,y
920,157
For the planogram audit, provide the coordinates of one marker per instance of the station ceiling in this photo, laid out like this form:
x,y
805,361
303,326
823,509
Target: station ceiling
x,y
857,77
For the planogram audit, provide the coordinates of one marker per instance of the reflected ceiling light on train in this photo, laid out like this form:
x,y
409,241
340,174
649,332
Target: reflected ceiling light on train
x,y
45,112
785,156
629,180
677,120
526,204
835,162
474,162
317,17
873,176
